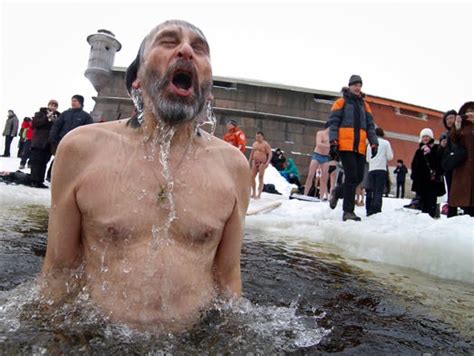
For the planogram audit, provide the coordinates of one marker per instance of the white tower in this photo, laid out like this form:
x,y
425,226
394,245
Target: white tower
x,y
101,58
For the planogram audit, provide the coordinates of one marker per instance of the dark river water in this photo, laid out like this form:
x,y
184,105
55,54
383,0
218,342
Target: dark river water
x,y
295,301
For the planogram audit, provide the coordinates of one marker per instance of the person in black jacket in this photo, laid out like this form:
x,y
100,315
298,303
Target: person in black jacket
x,y
426,172
401,172
278,160
40,147
69,120
449,118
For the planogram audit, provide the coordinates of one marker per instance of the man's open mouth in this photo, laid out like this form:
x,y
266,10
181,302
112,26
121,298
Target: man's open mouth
x,y
182,82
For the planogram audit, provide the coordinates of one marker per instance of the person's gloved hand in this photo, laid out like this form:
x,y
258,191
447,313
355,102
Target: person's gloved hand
x,y
426,149
333,151
374,148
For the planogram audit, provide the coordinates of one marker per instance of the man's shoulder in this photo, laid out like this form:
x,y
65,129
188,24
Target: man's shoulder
x,y
94,134
229,152
384,142
338,104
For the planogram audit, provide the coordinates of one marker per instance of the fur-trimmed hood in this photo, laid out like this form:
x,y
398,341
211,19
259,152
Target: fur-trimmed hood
x,y
346,91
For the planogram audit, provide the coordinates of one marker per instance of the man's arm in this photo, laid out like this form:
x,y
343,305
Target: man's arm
x,y
251,155
335,119
269,154
63,252
389,152
368,154
227,260
241,141
372,137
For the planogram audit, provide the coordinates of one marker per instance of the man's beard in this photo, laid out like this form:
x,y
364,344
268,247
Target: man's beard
x,y
173,109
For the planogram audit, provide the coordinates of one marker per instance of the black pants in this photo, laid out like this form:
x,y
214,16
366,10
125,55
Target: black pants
x,y
452,210
428,199
21,145
39,161
8,142
353,164
26,154
401,189
376,183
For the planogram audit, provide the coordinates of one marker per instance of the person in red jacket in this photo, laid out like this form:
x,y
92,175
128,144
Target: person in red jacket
x,y
26,133
235,136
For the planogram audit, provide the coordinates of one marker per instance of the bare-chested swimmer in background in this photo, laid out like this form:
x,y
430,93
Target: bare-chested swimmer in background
x,y
259,159
319,159
157,238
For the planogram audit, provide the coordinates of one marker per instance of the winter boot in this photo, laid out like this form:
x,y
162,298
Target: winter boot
x,y
349,216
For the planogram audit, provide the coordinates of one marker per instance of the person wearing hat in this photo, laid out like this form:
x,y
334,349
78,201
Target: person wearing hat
x,y
462,185
40,147
150,209
10,131
235,136
426,172
350,125
68,120
53,115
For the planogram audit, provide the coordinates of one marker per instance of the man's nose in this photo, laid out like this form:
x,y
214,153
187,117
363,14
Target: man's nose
x,y
186,51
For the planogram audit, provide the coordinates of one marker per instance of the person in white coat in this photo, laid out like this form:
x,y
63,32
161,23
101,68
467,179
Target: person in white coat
x,y
377,173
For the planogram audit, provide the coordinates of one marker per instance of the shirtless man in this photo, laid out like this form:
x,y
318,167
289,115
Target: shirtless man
x,y
147,215
320,159
259,160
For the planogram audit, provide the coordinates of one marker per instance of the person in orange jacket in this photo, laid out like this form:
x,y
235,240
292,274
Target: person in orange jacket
x,y
235,136
350,125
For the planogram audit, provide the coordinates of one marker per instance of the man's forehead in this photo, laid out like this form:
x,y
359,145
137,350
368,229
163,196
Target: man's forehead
x,y
178,28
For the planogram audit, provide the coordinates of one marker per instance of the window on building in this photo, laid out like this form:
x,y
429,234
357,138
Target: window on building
x,y
324,99
224,85
411,113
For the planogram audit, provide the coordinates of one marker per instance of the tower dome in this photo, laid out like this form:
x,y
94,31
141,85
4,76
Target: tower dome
x,y
104,45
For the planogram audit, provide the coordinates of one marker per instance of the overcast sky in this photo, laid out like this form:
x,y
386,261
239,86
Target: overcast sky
x,y
416,52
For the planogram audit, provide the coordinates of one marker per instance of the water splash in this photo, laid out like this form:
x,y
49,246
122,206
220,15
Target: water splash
x,y
161,140
103,266
286,329
208,119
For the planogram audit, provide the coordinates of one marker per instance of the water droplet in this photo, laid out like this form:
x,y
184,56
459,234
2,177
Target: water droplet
x,y
105,286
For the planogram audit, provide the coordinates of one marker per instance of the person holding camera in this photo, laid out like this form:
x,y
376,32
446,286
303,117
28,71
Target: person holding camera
x,y
448,121
462,185
40,147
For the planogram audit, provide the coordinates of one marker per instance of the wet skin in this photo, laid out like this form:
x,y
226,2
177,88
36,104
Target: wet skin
x,y
111,203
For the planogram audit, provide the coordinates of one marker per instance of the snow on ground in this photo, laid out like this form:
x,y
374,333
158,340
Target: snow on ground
x,y
20,194
443,247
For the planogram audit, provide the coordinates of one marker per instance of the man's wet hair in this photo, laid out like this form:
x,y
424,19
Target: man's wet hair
x,y
260,133
133,69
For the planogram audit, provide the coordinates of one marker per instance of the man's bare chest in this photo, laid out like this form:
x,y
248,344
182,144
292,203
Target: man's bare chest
x,y
130,202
